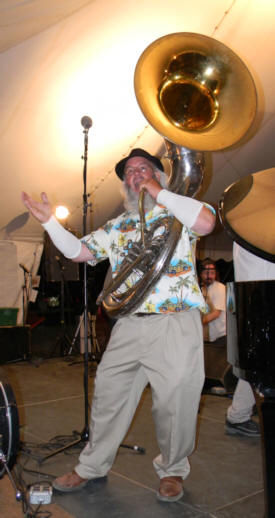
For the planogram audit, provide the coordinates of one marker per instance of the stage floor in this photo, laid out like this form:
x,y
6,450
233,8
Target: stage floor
x,y
226,472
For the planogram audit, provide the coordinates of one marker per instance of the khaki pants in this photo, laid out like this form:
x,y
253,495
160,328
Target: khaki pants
x,y
166,351
243,401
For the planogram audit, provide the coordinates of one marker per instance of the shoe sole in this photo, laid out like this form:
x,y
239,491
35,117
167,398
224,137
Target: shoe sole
x,y
66,489
163,498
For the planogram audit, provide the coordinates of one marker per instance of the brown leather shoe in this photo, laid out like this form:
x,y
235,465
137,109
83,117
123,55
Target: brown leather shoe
x,y
69,482
170,489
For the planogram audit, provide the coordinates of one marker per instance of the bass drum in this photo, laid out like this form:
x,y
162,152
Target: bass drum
x,y
9,424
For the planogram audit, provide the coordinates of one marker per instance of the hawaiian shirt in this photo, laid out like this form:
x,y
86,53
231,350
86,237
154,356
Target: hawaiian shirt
x,y
178,288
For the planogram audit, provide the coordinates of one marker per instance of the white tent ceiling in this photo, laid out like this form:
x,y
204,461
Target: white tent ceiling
x,y
62,60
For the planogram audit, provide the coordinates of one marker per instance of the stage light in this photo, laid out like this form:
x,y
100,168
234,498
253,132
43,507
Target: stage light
x,y
61,212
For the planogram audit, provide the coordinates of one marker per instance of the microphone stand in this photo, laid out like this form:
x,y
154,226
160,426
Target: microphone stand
x,y
84,436
25,292
86,123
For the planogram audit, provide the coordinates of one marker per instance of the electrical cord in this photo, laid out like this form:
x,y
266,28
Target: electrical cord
x,y
37,450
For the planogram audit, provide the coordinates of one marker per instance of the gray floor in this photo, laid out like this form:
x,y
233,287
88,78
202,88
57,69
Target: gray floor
x,y
226,472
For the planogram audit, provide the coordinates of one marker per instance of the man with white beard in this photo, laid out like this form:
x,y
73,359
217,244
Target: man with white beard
x,y
160,343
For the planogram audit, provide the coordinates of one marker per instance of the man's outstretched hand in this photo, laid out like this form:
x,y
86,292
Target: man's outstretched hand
x,y
42,211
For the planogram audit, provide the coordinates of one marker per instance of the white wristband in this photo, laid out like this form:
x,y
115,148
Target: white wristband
x,y
185,209
68,244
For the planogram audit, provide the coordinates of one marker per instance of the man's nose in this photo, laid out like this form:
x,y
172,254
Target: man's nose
x,y
137,170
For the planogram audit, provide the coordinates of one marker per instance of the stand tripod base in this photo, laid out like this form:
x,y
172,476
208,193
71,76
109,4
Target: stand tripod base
x,y
62,342
139,449
84,437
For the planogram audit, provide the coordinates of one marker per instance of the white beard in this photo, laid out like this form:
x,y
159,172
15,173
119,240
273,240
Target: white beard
x,y
131,198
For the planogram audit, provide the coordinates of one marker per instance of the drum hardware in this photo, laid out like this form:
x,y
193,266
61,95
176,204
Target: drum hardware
x,y
4,462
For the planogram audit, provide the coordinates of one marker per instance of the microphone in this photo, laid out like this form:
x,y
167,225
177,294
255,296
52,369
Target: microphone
x,y
24,268
86,122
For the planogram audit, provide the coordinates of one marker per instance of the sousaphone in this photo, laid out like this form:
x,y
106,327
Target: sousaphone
x,y
200,96
195,91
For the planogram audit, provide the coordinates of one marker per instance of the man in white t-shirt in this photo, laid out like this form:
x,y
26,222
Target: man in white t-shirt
x,y
238,420
215,295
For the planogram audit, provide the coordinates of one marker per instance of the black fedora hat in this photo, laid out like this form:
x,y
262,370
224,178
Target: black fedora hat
x,y
137,152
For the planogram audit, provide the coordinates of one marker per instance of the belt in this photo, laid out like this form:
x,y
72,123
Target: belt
x,y
145,314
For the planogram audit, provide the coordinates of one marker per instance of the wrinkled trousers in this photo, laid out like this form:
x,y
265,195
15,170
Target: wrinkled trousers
x,y
242,403
165,351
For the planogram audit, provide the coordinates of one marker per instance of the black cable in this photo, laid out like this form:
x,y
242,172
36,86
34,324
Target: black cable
x,y
34,452
56,442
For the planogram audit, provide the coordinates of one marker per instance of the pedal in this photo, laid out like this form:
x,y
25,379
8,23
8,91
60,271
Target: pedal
x,y
41,493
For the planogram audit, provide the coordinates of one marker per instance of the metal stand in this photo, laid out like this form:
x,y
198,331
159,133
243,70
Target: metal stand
x,y
95,353
77,332
26,288
3,460
84,436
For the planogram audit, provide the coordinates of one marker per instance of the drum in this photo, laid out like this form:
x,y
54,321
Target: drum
x,y
9,424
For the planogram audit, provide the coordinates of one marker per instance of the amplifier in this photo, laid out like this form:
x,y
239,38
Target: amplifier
x,y
15,343
57,267
217,367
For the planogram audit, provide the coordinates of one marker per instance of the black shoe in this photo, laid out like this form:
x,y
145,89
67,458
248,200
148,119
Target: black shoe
x,y
248,428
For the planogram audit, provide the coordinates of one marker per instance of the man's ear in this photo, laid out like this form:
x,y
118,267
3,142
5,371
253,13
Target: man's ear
x,y
157,175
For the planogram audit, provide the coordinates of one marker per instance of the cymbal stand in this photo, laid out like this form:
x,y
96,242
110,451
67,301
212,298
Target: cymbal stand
x,y
3,460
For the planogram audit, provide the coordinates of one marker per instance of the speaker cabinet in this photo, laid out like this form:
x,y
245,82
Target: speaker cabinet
x,y
57,267
15,343
217,367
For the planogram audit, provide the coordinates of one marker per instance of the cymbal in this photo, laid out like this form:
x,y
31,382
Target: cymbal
x,y
247,211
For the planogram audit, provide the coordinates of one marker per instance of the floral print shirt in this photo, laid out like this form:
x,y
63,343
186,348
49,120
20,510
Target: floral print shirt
x,y
177,289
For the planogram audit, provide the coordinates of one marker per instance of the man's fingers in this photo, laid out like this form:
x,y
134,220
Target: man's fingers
x,y
44,197
30,203
26,199
23,196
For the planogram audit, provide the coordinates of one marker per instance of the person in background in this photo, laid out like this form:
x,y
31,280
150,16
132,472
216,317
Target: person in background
x,y
160,343
239,413
215,295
